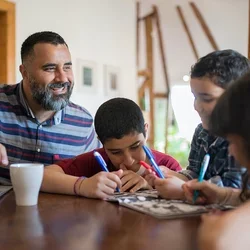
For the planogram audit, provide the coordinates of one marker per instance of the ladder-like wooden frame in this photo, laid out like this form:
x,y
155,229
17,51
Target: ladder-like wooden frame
x,y
148,73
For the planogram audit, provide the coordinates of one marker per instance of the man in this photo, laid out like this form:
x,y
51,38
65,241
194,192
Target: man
x,y
38,122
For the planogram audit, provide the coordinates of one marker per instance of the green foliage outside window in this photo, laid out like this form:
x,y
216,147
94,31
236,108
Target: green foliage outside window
x,y
178,147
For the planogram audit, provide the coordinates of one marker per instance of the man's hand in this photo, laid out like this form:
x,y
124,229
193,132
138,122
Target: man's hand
x,y
3,156
101,185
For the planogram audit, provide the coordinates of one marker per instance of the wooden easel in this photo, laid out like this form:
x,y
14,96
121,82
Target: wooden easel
x,y
148,73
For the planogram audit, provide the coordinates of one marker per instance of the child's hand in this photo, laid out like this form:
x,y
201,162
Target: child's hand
x,y
101,185
166,171
209,192
132,181
170,187
150,178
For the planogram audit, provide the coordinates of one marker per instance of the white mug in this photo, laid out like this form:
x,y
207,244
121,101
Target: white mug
x,y
26,180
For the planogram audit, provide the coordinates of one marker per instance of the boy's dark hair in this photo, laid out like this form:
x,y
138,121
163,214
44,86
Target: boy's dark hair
x,y
40,37
231,116
222,67
118,117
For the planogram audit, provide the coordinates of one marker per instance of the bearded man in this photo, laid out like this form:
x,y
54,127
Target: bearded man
x,y
38,123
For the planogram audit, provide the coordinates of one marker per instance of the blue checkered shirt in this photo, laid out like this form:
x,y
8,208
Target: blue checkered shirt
x,y
221,163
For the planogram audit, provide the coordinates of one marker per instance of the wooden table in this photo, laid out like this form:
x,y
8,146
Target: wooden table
x,y
70,223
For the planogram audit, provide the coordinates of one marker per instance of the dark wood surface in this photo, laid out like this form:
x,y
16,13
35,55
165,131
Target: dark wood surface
x,y
67,222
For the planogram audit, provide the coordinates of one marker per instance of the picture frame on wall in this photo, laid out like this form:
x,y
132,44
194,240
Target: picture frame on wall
x,y
111,80
86,76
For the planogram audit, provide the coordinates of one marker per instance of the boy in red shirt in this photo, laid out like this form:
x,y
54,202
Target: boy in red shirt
x,y
120,127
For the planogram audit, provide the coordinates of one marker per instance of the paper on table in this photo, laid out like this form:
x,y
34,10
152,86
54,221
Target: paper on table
x,y
148,202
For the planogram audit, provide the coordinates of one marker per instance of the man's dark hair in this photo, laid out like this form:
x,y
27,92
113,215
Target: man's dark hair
x,y
222,67
118,117
40,37
231,116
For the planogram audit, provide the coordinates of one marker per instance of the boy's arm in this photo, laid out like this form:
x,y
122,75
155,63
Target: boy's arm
x,y
221,231
56,181
101,185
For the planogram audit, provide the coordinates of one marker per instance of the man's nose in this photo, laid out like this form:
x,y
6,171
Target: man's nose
x,y
61,76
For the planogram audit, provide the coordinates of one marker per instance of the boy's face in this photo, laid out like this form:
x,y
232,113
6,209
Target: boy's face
x,y
237,150
206,95
127,151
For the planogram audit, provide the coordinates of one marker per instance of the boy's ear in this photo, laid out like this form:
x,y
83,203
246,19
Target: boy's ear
x,y
146,130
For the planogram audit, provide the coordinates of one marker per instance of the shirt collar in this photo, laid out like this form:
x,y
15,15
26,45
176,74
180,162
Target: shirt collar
x,y
209,141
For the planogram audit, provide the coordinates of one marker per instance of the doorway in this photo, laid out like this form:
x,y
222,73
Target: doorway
x,y
7,42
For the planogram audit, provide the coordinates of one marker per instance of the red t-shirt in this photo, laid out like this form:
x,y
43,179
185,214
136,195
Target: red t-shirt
x,y
86,164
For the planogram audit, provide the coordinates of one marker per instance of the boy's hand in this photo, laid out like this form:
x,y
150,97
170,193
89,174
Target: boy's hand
x,y
132,181
150,178
101,185
3,156
170,188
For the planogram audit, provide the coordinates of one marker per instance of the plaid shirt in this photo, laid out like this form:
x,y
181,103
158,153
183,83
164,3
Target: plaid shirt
x,y
221,163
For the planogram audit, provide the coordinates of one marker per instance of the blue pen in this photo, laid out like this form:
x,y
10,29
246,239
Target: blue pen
x,y
103,164
203,170
152,161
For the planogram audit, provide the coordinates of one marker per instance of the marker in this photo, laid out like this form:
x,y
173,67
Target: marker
x,y
203,170
103,164
152,161
145,165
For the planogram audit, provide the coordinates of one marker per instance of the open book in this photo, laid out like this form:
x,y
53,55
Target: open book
x,y
149,202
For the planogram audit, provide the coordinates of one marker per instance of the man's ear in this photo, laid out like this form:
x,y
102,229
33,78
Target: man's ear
x,y
146,130
23,71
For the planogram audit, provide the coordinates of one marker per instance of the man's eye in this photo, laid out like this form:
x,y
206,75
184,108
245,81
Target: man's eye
x,y
68,67
49,68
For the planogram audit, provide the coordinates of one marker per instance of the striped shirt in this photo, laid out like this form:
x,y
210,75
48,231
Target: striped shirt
x,y
68,133
220,164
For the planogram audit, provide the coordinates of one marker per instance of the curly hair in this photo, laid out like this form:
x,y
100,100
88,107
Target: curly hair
x,y
222,67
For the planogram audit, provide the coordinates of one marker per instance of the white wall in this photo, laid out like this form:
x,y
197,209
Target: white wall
x,y
104,31
99,31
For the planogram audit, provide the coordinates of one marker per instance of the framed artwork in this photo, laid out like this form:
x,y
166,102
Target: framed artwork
x,y
111,80
87,76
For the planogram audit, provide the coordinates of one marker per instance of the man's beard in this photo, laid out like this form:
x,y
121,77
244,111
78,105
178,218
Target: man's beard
x,y
46,98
